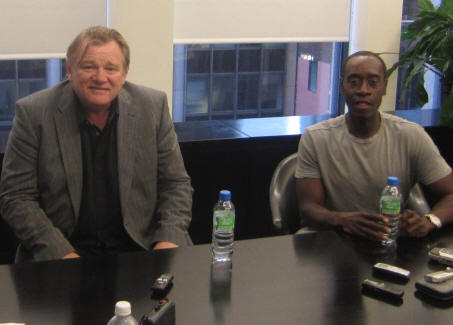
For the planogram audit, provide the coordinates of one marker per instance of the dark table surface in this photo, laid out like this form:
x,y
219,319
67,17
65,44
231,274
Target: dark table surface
x,y
301,279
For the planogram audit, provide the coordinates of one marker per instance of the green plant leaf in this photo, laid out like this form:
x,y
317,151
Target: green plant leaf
x,y
398,64
446,8
421,95
425,5
413,71
446,66
429,44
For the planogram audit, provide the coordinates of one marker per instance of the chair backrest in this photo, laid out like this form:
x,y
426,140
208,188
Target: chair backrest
x,y
417,201
282,196
283,199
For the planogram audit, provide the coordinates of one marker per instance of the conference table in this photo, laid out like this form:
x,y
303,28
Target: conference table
x,y
291,279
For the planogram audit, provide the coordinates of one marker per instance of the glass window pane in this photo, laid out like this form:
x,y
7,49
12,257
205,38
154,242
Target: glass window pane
x,y
27,87
249,60
272,91
313,76
222,97
311,100
197,95
274,59
63,70
269,79
223,46
198,46
248,87
32,69
7,99
224,61
410,9
8,69
198,61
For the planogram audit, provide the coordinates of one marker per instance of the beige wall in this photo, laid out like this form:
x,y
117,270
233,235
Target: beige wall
x,y
147,25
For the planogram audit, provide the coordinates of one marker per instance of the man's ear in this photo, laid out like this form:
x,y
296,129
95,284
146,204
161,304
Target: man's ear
x,y
68,70
385,86
125,75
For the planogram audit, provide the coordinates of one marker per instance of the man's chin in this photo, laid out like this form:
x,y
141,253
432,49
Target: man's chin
x,y
363,112
98,104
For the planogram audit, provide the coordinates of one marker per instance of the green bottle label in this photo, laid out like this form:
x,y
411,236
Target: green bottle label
x,y
390,207
224,220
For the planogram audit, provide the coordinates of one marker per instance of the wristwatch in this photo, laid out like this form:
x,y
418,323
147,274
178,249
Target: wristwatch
x,y
434,220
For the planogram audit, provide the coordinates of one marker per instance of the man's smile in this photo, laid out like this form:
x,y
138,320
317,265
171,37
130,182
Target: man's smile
x,y
362,104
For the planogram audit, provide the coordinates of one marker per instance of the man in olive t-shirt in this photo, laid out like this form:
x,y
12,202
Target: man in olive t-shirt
x,y
344,162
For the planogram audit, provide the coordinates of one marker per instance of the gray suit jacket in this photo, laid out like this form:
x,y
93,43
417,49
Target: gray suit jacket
x,y
41,182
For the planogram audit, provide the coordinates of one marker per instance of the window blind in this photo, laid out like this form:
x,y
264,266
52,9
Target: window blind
x,y
44,28
260,21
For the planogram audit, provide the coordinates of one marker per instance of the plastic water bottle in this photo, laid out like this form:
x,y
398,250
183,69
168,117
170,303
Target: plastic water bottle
x,y
223,228
390,206
122,315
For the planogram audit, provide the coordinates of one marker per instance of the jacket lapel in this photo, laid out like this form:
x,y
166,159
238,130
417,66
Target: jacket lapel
x,y
68,134
126,138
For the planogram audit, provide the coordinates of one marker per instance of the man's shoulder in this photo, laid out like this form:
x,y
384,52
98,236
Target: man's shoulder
x,y
46,95
143,102
330,125
141,91
399,125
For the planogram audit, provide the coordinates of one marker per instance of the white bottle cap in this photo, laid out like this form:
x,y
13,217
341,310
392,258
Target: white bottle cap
x,y
122,308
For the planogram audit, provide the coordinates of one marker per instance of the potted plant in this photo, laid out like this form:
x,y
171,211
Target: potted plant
x,y
430,46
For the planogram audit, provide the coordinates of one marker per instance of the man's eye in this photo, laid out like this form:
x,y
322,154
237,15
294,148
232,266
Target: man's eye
x,y
373,83
87,67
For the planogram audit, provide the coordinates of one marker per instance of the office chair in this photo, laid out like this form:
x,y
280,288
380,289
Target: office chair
x,y
283,200
282,196
417,201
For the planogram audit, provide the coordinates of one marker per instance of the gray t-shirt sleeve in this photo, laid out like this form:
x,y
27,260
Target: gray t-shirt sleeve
x,y
429,164
307,160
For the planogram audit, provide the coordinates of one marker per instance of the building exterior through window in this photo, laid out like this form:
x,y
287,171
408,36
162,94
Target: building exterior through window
x,y
233,81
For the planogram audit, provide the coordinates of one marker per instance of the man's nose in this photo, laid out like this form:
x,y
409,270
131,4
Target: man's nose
x,y
100,75
364,89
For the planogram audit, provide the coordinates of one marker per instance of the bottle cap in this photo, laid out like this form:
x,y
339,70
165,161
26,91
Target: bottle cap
x,y
393,181
225,195
122,308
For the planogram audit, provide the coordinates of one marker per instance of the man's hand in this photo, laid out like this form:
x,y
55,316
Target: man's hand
x,y
71,255
367,225
413,225
164,245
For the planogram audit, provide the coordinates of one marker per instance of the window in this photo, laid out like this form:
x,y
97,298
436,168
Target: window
x,y
313,76
233,81
19,78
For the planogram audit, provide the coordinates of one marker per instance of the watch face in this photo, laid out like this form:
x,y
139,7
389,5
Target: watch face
x,y
434,220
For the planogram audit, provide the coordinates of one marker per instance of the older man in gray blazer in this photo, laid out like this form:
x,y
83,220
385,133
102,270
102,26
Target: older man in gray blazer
x,y
93,164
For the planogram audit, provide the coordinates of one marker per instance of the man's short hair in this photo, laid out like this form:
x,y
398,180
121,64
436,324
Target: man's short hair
x,y
364,53
97,35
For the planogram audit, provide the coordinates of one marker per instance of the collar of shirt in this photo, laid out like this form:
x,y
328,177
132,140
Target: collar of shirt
x,y
84,122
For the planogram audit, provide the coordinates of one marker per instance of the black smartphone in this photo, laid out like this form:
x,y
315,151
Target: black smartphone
x,y
441,291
